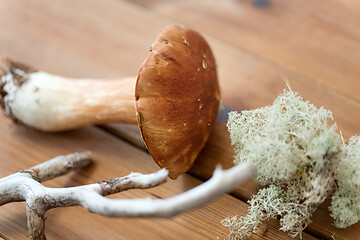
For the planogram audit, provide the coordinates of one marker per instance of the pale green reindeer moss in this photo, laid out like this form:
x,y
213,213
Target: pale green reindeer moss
x,y
298,157
345,205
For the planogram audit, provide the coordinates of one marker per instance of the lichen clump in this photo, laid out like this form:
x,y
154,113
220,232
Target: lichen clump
x,y
345,205
299,157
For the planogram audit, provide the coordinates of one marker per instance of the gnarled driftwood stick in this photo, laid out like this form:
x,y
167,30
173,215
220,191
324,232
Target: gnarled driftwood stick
x,y
25,186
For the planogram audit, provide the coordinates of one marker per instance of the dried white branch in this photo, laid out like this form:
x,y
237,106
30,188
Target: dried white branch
x,y
15,188
25,186
222,182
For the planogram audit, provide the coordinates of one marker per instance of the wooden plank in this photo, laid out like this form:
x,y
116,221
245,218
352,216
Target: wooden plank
x,y
321,65
59,36
24,148
260,91
218,150
257,98
247,82
240,70
105,46
305,37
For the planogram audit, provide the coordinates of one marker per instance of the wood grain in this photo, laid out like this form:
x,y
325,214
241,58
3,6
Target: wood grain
x,y
110,39
64,37
308,38
112,158
249,80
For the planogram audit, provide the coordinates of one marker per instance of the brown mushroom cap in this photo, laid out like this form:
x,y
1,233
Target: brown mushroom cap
x,y
177,98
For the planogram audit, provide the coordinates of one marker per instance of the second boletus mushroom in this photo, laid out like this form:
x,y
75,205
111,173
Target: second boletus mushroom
x,y
175,103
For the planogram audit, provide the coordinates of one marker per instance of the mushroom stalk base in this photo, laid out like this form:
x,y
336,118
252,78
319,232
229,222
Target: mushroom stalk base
x,y
52,103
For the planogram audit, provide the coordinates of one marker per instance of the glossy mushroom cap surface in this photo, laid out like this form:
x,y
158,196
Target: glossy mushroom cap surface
x,y
177,98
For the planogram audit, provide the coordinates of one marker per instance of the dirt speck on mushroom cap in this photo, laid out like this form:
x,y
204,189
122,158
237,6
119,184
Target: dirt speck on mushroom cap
x,y
177,98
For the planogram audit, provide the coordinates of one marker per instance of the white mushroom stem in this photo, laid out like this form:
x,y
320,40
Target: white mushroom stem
x,y
25,186
52,103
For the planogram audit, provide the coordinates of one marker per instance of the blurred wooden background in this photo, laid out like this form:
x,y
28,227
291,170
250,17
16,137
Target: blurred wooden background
x,y
257,43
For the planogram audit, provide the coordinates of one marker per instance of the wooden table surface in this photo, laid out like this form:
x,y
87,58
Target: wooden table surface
x,y
314,44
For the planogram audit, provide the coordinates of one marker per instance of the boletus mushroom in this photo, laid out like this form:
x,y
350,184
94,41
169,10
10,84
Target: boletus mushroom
x,y
175,103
